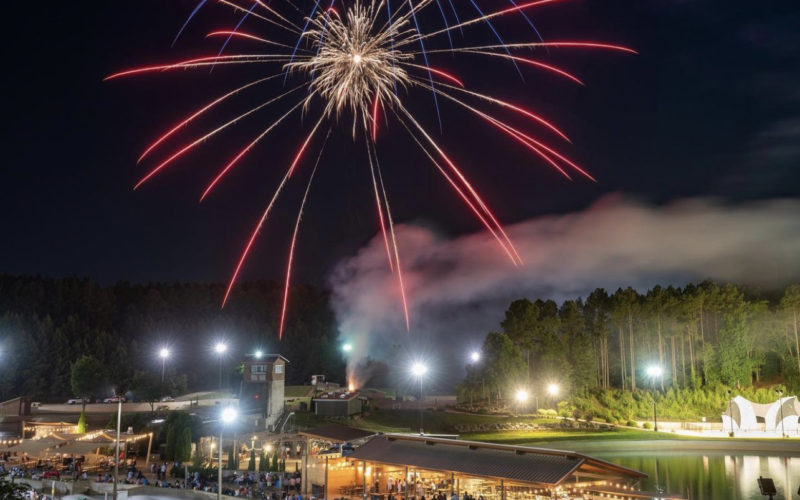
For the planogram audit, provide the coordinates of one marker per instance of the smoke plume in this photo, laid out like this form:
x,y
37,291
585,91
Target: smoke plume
x,y
458,288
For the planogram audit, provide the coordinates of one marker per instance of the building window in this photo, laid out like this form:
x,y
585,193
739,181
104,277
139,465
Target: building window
x,y
278,368
258,369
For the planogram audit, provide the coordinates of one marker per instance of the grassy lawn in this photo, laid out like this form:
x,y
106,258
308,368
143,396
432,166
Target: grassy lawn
x,y
534,437
298,391
444,423
438,422
433,421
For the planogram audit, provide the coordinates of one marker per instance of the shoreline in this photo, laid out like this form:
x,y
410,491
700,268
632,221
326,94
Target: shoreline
x,y
791,448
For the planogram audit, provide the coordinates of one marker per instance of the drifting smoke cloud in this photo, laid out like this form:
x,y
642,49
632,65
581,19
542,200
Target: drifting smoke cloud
x,y
459,288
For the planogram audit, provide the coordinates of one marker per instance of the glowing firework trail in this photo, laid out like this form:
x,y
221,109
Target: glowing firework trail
x,y
247,36
375,119
460,176
496,34
260,225
198,113
358,64
533,45
378,205
222,173
517,109
203,138
235,29
485,18
188,20
461,193
394,238
531,62
294,239
527,19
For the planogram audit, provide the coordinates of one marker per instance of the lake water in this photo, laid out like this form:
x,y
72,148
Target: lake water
x,y
713,475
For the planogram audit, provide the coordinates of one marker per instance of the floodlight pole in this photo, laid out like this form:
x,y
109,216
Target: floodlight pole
x,y
655,414
421,428
780,405
219,465
730,409
116,457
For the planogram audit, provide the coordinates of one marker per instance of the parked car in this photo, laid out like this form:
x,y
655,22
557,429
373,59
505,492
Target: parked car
x,y
76,401
115,399
51,474
167,399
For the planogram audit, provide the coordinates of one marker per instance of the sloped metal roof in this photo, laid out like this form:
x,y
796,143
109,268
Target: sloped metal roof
x,y
336,433
512,463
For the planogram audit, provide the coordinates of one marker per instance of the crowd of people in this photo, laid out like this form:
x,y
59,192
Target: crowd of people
x,y
418,489
265,486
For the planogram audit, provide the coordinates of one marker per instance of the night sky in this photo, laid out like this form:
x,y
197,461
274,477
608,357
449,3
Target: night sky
x,y
709,108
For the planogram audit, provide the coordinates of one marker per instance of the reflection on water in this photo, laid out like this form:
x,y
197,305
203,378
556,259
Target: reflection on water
x,y
713,476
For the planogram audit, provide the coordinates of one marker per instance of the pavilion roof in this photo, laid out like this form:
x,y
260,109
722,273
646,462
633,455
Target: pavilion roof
x,y
516,464
336,433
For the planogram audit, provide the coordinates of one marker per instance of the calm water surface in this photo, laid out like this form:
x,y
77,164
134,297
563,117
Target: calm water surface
x,y
713,475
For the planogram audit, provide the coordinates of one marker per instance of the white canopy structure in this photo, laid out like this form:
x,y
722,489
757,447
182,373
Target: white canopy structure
x,y
782,415
74,444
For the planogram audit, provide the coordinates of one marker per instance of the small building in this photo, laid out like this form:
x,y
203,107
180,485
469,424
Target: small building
x,y
17,407
263,386
338,404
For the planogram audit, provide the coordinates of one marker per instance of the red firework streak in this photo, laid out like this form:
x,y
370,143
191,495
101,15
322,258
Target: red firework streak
x,y
424,76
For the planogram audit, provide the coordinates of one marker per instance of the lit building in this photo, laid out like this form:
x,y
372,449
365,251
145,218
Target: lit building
x,y
263,386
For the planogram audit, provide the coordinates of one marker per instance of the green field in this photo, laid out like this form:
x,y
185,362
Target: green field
x,y
440,422
545,436
298,391
437,422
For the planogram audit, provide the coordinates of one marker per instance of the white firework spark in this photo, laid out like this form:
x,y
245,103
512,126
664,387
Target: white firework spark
x,y
355,61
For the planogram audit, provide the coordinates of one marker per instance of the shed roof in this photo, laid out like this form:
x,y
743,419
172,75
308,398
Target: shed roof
x,y
336,433
337,396
269,358
519,464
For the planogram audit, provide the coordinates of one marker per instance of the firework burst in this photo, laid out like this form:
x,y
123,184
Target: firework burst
x,y
367,60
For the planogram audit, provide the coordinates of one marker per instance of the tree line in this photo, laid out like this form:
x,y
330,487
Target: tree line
x,y
703,335
47,324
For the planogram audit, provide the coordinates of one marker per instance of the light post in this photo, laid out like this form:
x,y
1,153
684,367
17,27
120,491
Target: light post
x,y
780,405
258,354
730,409
655,372
475,358
229,414
521,397
163,354
419,370
220,349
116,456
553,391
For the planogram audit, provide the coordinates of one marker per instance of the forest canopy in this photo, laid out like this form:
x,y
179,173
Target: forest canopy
x,y
704,336
48,324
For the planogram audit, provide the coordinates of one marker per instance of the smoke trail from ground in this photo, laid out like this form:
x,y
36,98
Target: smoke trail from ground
x,y
459,288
